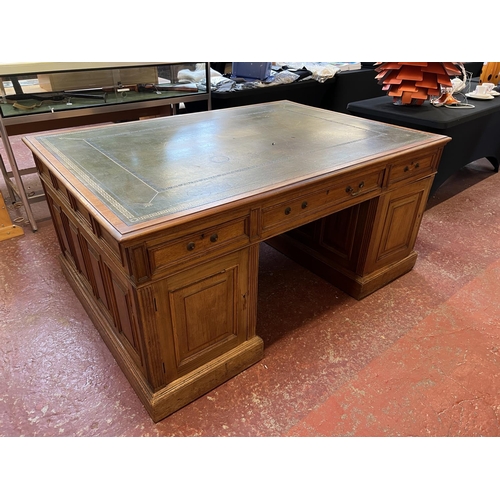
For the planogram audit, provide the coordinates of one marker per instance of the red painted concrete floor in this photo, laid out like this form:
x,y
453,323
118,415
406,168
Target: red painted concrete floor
x,y
420,357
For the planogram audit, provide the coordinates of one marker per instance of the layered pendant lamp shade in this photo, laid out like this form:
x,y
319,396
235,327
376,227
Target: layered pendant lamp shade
x,y
412,83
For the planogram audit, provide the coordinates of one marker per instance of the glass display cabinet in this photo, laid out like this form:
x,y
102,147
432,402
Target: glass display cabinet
x,y
37,97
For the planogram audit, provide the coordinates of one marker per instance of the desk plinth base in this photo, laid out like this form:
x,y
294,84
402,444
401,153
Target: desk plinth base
x,y
356,286
180,392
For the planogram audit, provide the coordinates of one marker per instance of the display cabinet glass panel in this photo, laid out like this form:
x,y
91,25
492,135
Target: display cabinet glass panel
x,y
37,92
44,96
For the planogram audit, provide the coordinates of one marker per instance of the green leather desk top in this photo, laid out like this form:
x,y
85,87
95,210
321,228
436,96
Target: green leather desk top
x,y
168,166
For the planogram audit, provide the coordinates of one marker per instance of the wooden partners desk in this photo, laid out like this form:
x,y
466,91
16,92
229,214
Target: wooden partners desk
x,y
474,132
160,221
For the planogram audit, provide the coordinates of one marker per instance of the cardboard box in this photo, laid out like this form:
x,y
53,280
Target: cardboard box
x,y
74,80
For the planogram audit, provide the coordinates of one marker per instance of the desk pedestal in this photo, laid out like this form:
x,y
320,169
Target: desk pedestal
x,y
199,375
362,248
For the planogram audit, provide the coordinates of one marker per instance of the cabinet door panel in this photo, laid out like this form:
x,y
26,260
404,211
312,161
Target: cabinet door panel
x,y
399,221
341,235
125,319
57,214
98,276
202,312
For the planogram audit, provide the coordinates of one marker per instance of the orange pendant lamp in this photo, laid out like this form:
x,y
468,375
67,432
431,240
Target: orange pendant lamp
x,y
412,83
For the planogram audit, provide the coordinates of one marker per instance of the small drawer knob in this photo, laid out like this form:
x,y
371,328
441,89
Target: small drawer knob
x,y
214,237
190,245
287,210
304,204
349,189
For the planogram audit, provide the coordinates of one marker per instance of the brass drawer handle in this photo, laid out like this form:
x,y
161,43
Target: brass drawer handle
x,y
190,246
349,189
407,168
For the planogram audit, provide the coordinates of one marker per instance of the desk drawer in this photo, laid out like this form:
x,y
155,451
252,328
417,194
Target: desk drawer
x,y
215,239
411,167
299,210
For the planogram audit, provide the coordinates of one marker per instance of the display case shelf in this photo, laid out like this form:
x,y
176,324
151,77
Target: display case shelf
x,y
37,97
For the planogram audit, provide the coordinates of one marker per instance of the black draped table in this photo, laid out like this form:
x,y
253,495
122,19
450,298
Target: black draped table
x,y
475,132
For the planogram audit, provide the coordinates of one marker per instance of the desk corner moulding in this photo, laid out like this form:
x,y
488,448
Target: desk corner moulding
x,y
165,255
